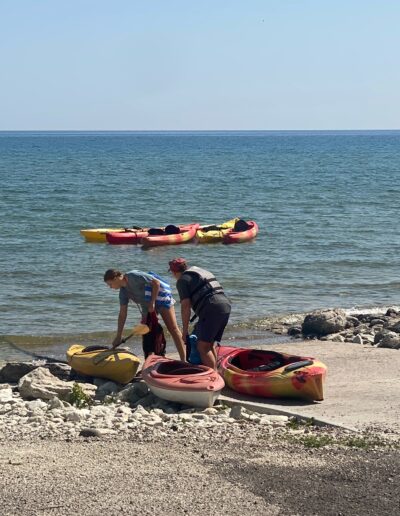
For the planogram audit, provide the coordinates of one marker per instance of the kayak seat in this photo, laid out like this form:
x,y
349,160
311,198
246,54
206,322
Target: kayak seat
x,y
178,369
241,225
172,230
156,231
94,348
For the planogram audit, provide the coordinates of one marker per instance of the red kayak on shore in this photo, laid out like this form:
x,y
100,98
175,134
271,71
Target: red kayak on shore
x,y
248,230
181,235
181,382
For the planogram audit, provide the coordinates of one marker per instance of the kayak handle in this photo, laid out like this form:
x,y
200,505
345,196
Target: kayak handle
x,y
297,365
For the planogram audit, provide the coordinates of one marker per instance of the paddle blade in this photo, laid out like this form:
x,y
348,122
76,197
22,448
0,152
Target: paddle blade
x,y
140,329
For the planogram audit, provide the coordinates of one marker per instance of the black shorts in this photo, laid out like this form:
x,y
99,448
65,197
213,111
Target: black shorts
x,y
211,324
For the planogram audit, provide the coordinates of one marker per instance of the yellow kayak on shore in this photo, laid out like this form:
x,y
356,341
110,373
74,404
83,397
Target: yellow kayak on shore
x,y
98,235
118,365
214,233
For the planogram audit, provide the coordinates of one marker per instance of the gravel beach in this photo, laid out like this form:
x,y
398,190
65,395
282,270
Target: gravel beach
x,y
131,453
244,474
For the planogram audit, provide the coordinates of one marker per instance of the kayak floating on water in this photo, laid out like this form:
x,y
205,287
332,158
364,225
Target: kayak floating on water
x,y
127,237
169,236
270,374
181,382
214,233
118,365
241,233
98,235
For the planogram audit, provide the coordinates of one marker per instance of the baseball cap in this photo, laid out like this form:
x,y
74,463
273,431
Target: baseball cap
x,y
177,265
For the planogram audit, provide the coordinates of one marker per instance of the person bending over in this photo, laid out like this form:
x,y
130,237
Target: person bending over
x,y
199,290
151,293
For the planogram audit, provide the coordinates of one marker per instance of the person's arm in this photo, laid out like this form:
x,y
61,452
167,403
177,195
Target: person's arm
x,y
155,288
185,315
123,312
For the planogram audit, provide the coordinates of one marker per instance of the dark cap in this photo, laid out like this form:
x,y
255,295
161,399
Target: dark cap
x,y
177,265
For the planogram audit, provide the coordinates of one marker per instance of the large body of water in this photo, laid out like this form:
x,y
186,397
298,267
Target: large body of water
x,y
327,204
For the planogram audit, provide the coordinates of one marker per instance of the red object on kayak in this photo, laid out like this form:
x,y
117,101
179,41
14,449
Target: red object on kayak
x,y
126,237
236,237
181,382
186,234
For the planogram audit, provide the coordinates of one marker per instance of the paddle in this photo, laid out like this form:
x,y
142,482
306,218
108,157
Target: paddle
x,y
139,329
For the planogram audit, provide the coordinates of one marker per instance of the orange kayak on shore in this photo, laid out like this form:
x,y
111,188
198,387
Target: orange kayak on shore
x,y
270,374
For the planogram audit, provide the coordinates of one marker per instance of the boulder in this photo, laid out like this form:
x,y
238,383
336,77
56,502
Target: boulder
x,y
133,392
293,331
324,322
384,333
13,371
40,383
395,326
6,395
390,341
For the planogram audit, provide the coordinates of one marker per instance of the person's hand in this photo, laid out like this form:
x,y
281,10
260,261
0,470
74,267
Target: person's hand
x,y
116,342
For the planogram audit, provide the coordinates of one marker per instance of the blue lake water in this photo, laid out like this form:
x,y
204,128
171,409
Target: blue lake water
x,y
327,205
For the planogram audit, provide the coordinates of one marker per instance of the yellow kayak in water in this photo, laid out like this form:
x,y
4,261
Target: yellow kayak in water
x,y
118,365
215,233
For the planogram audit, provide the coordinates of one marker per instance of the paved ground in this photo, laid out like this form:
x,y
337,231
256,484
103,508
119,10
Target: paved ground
x,y
362,386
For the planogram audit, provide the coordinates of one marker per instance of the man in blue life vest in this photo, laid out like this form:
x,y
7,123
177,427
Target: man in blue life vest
x,y
199,290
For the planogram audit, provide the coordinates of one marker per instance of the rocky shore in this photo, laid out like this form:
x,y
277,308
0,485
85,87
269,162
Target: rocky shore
x,y
70,445
381,330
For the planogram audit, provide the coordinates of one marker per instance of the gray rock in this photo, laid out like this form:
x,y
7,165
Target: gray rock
x,y
58,369
133,392
6,395
294,330
380,335
352,321
40,383
55,403
374,322
236,412
337,338
106,389
357,339
324,322
395,327
13,371
91,432
390,341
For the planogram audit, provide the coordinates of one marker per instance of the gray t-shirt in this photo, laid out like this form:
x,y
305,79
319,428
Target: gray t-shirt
x,y
135,289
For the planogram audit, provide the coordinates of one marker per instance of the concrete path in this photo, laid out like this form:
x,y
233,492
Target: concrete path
x,y
362,386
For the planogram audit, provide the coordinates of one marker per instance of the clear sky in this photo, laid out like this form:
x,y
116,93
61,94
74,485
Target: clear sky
x,y
199,64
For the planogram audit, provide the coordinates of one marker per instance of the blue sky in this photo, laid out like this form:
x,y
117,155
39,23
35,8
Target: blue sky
x,y
182,64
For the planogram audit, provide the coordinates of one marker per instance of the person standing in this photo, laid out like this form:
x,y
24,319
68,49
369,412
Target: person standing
x,y
199,290
152,294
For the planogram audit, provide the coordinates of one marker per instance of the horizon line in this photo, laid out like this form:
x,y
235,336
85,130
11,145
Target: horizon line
x,y
187,130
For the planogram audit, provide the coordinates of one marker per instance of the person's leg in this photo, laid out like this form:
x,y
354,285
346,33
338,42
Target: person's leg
x,y
210,329
169,318
207,353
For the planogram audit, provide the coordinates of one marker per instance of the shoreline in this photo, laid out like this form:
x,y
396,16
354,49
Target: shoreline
x,y
271,329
